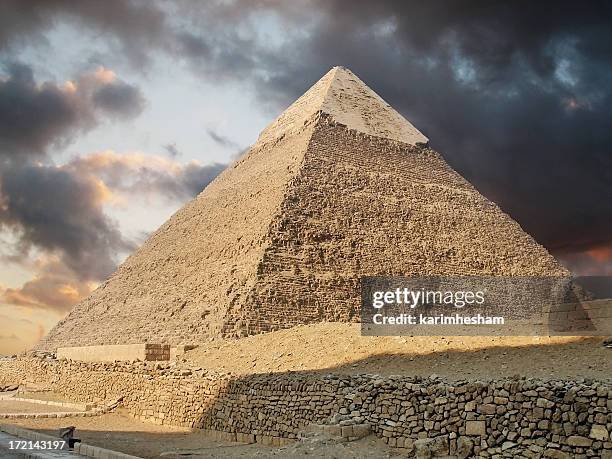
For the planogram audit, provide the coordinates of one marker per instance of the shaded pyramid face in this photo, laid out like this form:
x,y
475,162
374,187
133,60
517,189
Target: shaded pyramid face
x,y
340,186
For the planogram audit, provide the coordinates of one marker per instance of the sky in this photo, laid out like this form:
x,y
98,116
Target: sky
x,y
114,114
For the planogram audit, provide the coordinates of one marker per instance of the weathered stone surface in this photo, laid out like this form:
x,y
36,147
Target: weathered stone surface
x,y
487,409
439,447
475,428
423,448
337,187
556,454
465,446
599,432
576,440
361,430
508,445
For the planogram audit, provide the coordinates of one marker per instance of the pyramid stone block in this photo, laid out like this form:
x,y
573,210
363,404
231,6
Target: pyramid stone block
x,y
338,187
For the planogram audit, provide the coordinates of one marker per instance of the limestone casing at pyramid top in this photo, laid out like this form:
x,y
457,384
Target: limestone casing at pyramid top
x,y
349,101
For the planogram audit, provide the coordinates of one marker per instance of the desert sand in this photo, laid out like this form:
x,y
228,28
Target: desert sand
x,y
340,348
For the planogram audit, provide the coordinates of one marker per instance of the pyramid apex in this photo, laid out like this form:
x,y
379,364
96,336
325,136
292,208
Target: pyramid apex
x,y
349,101
339,71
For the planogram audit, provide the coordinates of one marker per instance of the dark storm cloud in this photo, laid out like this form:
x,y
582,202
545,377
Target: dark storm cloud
x,y
196,177
222,140
193,45
119,98
61,213
51,209
59,209
135,174
34,116
130,28
172,150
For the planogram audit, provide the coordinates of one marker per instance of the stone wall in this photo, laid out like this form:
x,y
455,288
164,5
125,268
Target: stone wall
x,y
556,419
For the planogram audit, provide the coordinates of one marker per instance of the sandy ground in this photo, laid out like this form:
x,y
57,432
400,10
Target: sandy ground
x,y
9,406
340,348
119,432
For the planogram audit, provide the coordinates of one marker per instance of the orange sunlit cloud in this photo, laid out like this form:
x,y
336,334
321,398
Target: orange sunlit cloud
x,y
592,261
601,254
21,328
53,287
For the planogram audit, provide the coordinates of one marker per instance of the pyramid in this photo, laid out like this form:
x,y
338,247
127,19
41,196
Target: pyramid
x,y
338,187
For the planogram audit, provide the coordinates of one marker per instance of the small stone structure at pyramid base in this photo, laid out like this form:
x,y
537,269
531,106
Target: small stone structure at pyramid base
x,y
113,352
144,352
339,187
